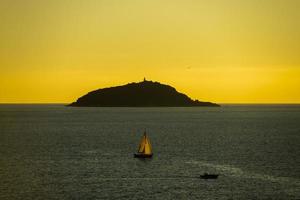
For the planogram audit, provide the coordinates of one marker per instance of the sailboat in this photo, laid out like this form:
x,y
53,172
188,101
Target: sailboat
x,y
145,149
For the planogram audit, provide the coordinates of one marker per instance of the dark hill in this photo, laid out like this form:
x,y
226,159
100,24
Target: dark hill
x,y
142,94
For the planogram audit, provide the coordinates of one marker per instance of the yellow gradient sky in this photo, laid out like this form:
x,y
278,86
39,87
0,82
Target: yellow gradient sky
x,y
225,51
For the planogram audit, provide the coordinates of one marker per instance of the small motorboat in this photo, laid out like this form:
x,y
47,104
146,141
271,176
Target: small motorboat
x,y
145,149
209,176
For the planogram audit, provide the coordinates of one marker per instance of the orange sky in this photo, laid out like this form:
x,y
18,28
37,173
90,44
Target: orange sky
x,y
222,51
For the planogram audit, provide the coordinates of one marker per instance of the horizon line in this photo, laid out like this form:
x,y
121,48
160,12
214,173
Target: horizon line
x,y
231,103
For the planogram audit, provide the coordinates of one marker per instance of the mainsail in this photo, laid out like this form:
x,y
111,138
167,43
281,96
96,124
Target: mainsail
x,y
145,146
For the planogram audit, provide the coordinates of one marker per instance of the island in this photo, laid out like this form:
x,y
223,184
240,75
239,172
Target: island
x,y
141,94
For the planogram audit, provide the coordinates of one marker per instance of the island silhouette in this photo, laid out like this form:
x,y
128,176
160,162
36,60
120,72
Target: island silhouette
x,y
141,94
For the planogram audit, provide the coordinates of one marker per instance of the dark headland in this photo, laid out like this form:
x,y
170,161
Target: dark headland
x,y
142,94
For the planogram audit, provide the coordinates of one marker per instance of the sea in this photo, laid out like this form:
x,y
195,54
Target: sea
x,y
58,152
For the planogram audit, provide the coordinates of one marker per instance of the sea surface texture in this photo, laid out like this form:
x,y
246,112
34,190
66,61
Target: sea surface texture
x,y
58,152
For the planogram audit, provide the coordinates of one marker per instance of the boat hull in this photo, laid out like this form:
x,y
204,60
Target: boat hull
x,y
209,176
140,155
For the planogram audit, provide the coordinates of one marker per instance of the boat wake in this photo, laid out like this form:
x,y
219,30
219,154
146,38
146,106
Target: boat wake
x,y
228,170
146,178
238,172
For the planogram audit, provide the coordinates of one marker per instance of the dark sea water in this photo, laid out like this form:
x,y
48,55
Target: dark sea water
x,y
58,152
